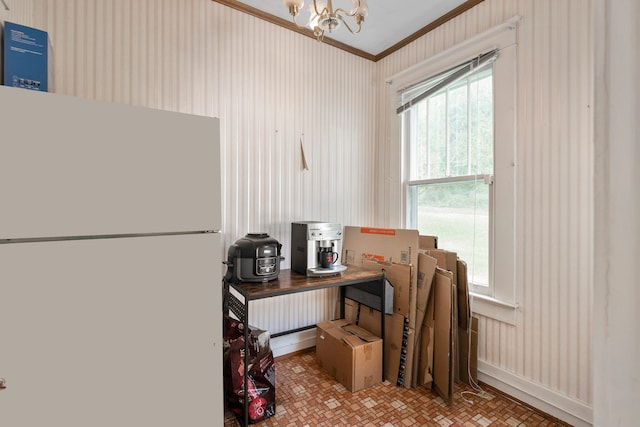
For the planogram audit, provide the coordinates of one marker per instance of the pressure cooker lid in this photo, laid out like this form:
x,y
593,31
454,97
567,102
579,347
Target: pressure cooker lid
x,y
256,235
257,245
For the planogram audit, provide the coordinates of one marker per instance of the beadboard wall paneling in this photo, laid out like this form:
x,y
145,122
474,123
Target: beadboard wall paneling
x,y
20,12
271,88
551,343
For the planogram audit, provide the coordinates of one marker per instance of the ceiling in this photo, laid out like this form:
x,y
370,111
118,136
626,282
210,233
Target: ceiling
x,y
387,27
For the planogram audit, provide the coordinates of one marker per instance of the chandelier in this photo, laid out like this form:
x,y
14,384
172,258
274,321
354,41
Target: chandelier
x,y
324,18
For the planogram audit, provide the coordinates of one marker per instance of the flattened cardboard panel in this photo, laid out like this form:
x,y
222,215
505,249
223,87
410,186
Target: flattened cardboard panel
x,y
443,339
399,246
382,244
425,362
464,309
399,275
447,260
369,319
454,336
426,271
428,242
439,256
350,311
395,344
394,325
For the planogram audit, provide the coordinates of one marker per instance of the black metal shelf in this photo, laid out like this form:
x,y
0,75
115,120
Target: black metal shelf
x,y
367,287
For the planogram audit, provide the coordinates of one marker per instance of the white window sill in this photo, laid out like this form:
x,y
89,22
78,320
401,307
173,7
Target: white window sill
x,y
493,308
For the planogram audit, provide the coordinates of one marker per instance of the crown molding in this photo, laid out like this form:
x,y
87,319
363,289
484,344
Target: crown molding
x,y
242,7
234,4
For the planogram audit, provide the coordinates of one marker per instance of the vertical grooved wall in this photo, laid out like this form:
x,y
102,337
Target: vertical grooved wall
x,y
271,87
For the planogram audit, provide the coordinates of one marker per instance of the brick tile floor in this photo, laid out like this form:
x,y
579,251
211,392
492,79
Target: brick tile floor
x,y
306,396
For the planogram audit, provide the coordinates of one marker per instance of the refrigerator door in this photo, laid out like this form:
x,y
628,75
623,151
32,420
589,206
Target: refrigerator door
x,y
111,332
77,167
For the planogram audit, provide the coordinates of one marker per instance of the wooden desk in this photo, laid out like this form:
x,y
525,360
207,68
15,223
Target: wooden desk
x,y
365,286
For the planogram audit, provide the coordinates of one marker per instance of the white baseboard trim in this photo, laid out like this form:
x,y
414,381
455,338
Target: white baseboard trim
x,y
555,404
290,343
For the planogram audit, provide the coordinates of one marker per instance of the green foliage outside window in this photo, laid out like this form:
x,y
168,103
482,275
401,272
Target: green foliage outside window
x,y
451,135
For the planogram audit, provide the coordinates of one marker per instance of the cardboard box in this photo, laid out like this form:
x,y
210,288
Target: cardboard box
x,y
369,319
27,58
351,354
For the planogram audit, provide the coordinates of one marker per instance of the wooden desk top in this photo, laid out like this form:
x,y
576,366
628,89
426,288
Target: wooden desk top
x,y
289,282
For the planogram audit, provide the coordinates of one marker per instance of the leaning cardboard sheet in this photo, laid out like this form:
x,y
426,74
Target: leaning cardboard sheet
x,y
430,339
396,252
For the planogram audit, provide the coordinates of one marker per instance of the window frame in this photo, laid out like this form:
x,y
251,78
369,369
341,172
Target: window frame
x,y
500,301
486,179
409,128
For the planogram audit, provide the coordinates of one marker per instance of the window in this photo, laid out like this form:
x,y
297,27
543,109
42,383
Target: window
x,y
449,135
455,118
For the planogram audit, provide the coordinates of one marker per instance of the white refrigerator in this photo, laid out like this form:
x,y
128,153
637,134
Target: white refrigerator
x,y
110,264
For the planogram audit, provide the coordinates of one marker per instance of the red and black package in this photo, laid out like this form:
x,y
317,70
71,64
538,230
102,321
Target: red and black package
x,y
233,329
258,338
261,384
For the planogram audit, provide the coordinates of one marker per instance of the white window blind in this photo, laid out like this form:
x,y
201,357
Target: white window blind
x,y
425,89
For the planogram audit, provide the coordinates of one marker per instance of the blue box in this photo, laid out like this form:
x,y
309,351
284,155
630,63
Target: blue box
x,y
27,59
